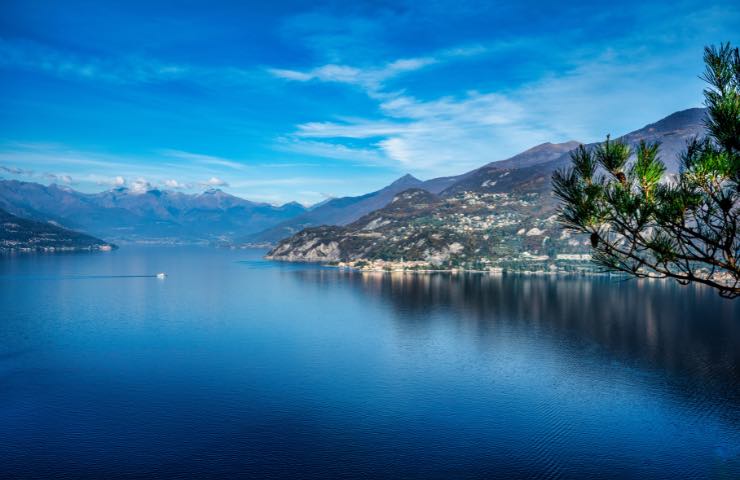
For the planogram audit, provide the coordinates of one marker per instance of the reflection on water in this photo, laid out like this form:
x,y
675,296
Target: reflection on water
x,y
671,341
682,331
237,367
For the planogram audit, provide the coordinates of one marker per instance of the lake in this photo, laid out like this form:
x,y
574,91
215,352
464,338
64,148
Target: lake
x,y
234,366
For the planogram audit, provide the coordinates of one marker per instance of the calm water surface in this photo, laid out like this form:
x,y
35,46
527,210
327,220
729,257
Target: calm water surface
x,y
233,366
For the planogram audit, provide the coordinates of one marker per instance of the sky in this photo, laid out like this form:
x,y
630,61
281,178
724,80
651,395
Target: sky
x,y
303,101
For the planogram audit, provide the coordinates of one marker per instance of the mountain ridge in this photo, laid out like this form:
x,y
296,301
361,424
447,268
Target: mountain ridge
x,y
163,216
501,215
20,234
345,210
214,216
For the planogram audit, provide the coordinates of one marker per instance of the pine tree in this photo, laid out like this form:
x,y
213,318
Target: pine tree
x,y
647,225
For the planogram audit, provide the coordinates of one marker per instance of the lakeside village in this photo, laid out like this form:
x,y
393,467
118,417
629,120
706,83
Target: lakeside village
x,y
527,264
538,265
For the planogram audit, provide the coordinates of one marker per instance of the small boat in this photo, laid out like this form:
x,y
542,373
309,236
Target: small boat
x,y
161,275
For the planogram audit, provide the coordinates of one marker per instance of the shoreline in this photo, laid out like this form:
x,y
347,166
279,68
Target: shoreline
x,y
455,271
414,269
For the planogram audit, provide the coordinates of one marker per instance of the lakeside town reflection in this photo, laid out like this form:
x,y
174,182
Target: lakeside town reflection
x,y
682,331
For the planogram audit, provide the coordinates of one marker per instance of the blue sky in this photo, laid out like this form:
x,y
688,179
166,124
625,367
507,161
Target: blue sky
x,y
280,101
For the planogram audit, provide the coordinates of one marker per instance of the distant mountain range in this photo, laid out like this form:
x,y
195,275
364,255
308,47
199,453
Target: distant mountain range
x,y
337,211
531,166
153,216
499,215
163,216
343,211
18,234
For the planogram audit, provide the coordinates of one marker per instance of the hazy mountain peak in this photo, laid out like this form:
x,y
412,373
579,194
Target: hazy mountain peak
x,y
681,120
569,145
64,188
672,132
405,180
536,155
131,214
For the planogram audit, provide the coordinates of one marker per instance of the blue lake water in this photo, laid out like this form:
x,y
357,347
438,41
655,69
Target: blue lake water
x,y
237,367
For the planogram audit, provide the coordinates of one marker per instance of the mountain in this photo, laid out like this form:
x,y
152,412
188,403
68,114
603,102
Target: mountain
x,y
337,211
342,211
493,176
501,215
362,238
151,216
419,229
19,234
672,132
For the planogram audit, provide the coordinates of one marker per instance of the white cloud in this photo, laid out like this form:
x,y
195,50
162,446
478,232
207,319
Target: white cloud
x,y
139,173
574,90
117,181
22,172
291,74
63,178
370,78
437,137
397,148
215,182
140,185
172,183
449,134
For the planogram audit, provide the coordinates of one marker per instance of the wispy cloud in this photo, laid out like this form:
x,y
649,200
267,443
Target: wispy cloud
x,y
90,171
364,156
202,159
119,70
137,173
16,170
34,175
400,86
57,177
598,90
262,182
439,136
371,79
34,56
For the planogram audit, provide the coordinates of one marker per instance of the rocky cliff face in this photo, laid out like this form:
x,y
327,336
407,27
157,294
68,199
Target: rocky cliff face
x,y
462,230
358,239
310,245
